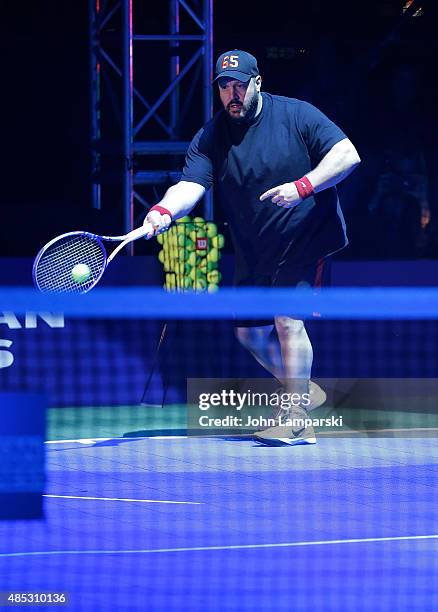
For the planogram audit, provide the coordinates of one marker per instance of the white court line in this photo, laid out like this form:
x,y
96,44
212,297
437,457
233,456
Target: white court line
x,y
125,499
347,432
344,432
207,548
93,440
82,440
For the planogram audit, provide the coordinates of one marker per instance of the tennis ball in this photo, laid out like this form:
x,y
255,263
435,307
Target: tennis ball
x,y
190,245
196,275
211,265
212,288
182,268
211,229
200,231
80,273
200,284
185,219
199,221
213,255
183,237
218,241
160,239
161,256
201,252
214,276
192,259
170,281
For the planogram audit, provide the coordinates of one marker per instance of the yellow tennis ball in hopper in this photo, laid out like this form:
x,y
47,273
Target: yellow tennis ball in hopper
x,y
218,241
211,229
212,288
213,255
200,283
182,268
196,275
214,276
200,231
183,254
189,245
180,280
192,259
80,273
170,281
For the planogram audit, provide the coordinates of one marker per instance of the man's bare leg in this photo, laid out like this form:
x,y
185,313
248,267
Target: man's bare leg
x,y
297,353
290,358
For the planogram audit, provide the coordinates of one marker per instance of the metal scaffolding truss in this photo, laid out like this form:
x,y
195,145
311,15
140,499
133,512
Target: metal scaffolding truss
x,y
126,69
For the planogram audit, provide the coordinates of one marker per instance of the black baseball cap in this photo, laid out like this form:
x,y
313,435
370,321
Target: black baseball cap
x,y
236,64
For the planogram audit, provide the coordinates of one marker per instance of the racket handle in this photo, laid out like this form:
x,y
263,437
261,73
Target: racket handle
x,y
139,232
134,235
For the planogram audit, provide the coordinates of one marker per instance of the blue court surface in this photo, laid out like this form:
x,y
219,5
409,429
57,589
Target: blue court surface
x,y
204,524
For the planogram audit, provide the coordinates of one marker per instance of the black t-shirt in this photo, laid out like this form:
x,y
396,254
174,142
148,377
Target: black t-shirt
x,y
285,141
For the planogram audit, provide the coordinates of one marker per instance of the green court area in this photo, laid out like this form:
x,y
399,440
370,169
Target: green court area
x,y
137,421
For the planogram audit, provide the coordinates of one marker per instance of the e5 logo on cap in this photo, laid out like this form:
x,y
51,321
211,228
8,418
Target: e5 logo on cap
x,y
231,61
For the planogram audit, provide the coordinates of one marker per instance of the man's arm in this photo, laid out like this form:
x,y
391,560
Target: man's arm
x,y
336,165
333,168
178,201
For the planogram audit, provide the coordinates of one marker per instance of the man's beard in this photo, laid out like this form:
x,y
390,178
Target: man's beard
x,y
250,110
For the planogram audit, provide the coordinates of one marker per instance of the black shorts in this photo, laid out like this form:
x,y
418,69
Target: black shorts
x,y
315,275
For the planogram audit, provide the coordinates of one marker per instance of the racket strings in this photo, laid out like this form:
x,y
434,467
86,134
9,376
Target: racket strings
x,y
54,269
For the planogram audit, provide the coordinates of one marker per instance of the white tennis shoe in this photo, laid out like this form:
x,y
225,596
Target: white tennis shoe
x,y
292,429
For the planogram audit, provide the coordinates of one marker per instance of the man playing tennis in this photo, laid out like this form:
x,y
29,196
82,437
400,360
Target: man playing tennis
x,y
274,163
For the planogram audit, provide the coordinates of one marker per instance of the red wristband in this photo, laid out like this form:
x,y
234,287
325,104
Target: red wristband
x,y
161,210
304,187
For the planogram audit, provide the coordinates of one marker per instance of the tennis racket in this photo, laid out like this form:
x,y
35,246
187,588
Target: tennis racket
x,y
53,266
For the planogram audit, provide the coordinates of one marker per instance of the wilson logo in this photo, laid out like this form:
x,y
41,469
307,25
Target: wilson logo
x,y
201,244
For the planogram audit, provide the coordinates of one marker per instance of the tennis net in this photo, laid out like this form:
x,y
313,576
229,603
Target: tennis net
x,y
140,499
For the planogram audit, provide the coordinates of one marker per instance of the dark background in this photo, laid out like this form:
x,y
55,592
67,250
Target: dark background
x,y
364,64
